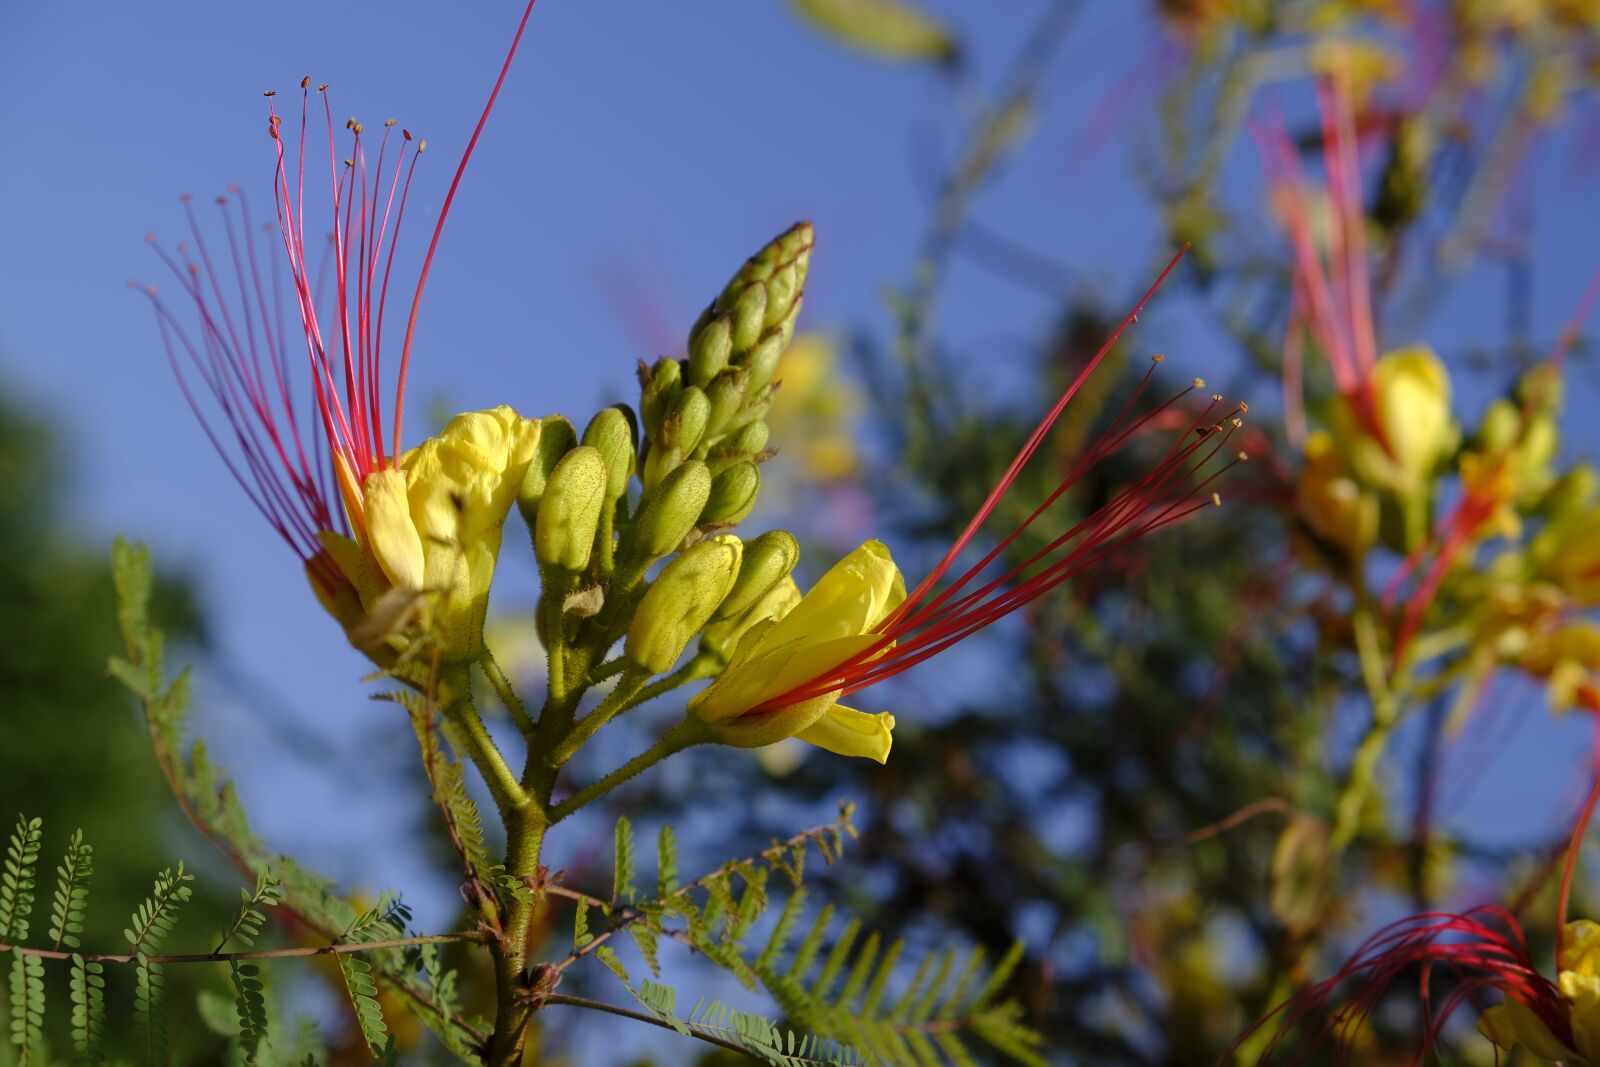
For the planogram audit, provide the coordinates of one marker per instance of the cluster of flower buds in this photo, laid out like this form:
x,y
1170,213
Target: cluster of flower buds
x,y
711,408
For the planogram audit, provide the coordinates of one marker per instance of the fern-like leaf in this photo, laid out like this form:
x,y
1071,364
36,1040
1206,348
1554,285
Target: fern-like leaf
x,y
622,879
155,917
249,919
363,992
149,1020
666,863
249,1000
72,892
17,879
27,1007
88,990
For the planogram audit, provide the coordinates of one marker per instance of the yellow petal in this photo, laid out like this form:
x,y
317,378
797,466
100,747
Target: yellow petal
x,y
851,599
773,671
390,531
848,732
1513,1023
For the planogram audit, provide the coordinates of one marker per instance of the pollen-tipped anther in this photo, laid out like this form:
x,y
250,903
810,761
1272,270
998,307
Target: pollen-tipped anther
x,y
1216,499
1199,383
305,83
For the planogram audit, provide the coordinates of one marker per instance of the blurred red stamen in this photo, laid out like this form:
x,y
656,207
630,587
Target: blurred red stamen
x,y
927,624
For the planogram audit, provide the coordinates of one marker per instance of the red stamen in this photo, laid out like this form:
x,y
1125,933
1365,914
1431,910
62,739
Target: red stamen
x,y
438,228
928,623
238,354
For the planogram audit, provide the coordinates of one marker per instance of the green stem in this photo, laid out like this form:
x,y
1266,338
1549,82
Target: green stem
x,y
514,1002
617,701
503,784
607,669
554,592
702,666
508,696
1362,779
690,731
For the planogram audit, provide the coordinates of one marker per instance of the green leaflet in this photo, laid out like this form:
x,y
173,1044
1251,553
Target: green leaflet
x,y
888,29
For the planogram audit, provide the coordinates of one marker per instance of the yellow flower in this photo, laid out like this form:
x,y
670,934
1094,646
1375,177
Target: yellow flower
x,y
1411,401
1568,659
1338,511
431,528
832,624
1567,553
1514,1023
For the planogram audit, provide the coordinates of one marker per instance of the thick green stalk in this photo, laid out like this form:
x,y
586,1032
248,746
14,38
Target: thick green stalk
x,y
514,1003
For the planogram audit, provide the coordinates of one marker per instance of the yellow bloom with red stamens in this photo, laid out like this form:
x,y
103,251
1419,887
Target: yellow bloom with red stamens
x,y
1514,1023
835,622
432,527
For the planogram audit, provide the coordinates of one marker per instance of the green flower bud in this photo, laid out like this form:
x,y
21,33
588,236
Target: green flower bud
x,y
569,514
685,422
726,394
658,387
670,511
722,636
556,439
747,442
1572,492
762,299
611,434
1501,424
763,363
680,602
749,317
710,348
733,494
767,560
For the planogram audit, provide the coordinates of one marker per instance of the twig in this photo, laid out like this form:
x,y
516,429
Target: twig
x,y
252,954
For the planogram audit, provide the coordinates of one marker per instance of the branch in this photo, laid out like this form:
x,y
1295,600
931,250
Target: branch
x,y
841,825
253,954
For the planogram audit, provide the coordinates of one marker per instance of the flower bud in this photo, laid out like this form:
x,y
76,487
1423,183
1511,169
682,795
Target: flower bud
x,y
733,494
763,363
569,513
685,421
768,560
611,434
1574,491
680,602
726,394
1340,514
556,439
1411,395
658,387
723,636
710,349
670,511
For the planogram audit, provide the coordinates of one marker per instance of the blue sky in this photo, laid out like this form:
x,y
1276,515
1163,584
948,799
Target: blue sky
x,y
639,152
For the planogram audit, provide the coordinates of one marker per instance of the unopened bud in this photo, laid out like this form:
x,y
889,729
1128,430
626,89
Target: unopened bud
x,y
671,510
680,602
569,514
611,434
763,363
733,494
749,317
767,560
685,421
726,394
710,348
556,439
658,387
723,636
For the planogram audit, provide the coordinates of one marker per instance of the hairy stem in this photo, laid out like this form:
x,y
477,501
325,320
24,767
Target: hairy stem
x,y
688,732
